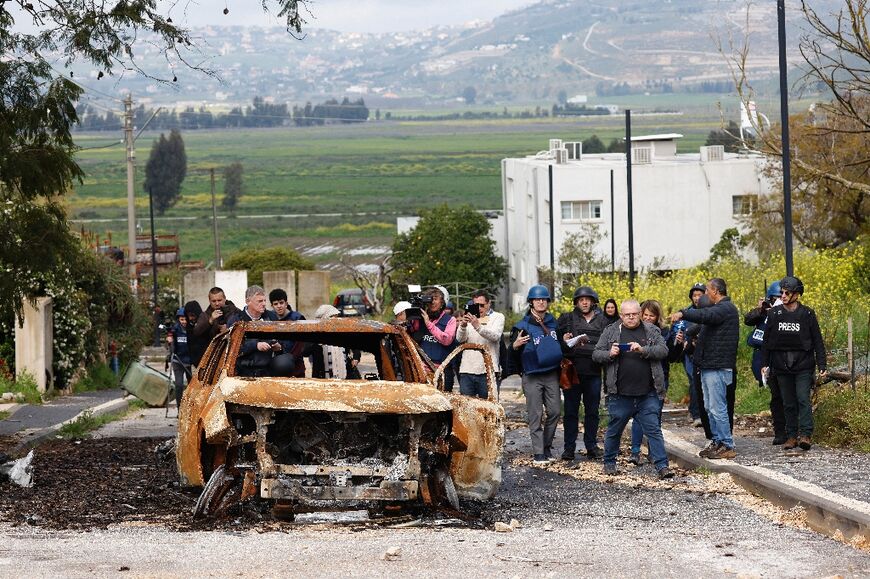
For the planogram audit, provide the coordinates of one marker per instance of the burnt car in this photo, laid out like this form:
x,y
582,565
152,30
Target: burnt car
x,y
392,436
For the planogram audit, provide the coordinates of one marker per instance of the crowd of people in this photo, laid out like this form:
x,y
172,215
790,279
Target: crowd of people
x,y
626,350
623,351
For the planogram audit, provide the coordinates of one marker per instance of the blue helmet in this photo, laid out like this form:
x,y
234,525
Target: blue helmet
x,y
179,313
539,292
774,291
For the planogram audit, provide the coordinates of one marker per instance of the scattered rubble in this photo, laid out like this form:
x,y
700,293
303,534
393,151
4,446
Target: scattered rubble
x,y
18,471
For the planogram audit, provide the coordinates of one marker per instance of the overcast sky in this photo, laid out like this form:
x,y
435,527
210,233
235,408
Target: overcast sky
x,y
352,15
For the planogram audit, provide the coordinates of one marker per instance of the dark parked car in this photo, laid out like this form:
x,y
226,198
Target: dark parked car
x,y
352,302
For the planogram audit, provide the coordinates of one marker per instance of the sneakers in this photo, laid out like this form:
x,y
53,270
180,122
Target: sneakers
x,y
540,459
665,473
547,456
805,442
697,423
636,459
722,451
594,453
709,449
567,456
790,444
610,469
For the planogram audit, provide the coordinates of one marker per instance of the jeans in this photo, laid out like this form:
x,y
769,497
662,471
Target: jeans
x,y
542,393
589,389
473,385
694,403
643,409
796,401
180,373
637,430
714,383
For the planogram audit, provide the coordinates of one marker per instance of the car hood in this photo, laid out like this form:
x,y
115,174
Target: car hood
x,y
371,397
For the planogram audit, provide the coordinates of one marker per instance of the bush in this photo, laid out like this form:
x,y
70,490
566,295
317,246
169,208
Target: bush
x,y
98,377
25,384
258,260
842,417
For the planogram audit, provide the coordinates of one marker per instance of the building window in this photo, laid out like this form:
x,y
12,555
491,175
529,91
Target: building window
x,y
581,210
742,205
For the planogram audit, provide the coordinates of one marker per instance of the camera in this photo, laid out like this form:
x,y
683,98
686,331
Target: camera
x,y
473,309
421,300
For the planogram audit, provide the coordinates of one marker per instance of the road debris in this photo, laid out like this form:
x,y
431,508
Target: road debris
x,y
19,471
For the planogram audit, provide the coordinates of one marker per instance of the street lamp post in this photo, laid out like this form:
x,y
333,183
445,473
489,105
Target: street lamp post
x,y
786,146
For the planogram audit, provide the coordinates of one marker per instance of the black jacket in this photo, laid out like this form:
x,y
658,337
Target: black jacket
x,y
793,341
575,323
720,333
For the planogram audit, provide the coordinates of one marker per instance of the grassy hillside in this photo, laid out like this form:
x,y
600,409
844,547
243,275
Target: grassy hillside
x,y
362,176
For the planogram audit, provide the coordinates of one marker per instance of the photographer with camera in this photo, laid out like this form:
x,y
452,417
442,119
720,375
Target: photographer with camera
x,y
478,325
758,317
438,332
213,320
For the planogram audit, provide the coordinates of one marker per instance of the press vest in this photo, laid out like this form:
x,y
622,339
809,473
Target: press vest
x,y
436,351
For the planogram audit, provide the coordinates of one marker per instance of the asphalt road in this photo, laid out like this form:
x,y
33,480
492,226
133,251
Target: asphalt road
x,y
573,521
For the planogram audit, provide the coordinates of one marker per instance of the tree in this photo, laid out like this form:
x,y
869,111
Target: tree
x,y
257,260
616,146
469,93
593,145
233,186
729,247
37,113
830,156
448,245
166,170
727,138
373,283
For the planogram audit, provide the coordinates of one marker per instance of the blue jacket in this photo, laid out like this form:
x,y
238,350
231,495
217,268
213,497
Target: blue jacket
x,y
529,356
179,343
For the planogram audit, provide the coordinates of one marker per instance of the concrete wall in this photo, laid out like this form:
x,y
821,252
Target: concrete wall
x,y
285,280
34,342
197,283
313,291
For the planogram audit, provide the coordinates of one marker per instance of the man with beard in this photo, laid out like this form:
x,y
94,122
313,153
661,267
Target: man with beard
x,y
589,321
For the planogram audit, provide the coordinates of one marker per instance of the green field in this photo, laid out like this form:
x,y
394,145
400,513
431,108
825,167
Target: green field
x,y
381,169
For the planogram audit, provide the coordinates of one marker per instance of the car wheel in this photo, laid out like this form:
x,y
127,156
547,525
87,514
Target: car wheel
x,y
222,490
447,489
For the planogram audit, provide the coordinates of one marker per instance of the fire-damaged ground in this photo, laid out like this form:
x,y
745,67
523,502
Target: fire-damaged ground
x,y
100,483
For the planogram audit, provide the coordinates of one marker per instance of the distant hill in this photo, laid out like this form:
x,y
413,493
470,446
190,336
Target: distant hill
x,y
540,53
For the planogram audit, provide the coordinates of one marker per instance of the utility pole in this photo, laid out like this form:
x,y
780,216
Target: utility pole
x,y
131,196
217,240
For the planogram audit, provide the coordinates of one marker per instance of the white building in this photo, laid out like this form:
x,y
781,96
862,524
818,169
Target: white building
x,y
681,204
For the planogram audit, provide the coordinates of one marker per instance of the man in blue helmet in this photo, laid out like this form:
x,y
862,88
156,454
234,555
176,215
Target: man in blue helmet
x,y
792,349
758,317
536,352
586,322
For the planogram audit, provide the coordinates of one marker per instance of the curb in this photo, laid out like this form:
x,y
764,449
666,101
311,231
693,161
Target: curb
x,y
826,512
37,437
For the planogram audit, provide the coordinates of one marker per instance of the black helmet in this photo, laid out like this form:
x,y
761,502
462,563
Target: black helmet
x,y
697,287
282,365
584,291
792,284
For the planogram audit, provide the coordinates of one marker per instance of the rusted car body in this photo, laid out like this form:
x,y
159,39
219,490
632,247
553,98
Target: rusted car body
x,y
392,436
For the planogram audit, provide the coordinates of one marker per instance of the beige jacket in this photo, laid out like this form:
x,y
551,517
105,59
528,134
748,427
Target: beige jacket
x,y
491,329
